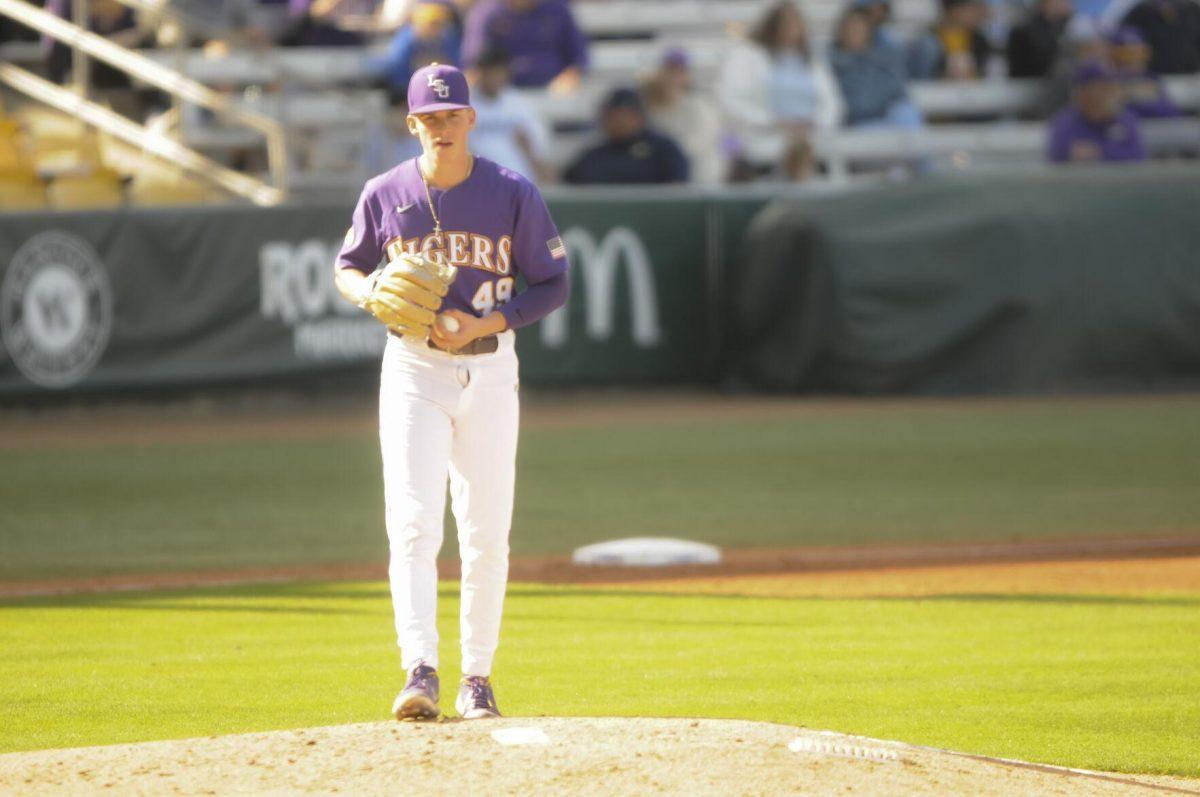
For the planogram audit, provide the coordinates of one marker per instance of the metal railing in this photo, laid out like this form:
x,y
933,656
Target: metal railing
x,y
85,43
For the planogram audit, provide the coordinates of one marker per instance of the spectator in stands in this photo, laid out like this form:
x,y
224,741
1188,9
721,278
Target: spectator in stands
x,y
1096,126
508,128
1033,45
674,107
1171,28
430,35
1145,93
319,23
871,78
546,46
631,152
774,95
956,48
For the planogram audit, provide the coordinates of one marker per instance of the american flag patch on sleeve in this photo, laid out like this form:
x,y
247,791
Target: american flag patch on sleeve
x,y
558,250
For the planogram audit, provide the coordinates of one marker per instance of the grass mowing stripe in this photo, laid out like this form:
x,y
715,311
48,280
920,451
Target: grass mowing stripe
x,y
1038,469
1072,680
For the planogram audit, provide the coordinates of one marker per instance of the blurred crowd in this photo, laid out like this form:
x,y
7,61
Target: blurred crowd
x,y
776,90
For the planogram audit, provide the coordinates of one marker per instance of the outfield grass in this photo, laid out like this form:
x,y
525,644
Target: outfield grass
x,y
1098,682
896,473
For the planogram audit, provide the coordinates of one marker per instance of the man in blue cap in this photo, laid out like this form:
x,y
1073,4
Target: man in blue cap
x,y
631,152
455,230
1096,126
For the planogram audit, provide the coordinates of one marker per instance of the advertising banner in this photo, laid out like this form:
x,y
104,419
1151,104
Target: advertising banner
x,y
159,298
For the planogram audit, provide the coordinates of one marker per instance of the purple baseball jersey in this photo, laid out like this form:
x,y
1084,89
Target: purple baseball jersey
x,y
495,226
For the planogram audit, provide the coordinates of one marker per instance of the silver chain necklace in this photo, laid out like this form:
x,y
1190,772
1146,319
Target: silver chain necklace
x,y
437,223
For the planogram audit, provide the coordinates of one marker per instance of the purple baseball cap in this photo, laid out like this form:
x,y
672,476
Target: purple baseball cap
x,y
1093,72
438,87
677,57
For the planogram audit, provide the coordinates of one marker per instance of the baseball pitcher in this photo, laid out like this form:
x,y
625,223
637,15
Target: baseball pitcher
x,y
452,232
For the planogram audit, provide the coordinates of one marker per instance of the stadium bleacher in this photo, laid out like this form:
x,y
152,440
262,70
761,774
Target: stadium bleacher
x,y
322,100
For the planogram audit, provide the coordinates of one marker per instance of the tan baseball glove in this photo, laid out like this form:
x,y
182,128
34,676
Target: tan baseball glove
x,y
407,293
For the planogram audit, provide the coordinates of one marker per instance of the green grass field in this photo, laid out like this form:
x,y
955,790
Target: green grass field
x,y
1104,683
896,473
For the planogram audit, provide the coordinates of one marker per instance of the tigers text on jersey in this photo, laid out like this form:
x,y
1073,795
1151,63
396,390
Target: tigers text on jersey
x,y
495,226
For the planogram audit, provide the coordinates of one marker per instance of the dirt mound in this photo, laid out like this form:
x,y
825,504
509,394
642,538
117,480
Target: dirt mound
x,y
550,755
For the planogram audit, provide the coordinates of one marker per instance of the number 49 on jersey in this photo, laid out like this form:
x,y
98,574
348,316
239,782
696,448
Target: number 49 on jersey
x,y
492,294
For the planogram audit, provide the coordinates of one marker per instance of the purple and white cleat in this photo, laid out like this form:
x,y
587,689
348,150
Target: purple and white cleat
x,y
476,700
419,698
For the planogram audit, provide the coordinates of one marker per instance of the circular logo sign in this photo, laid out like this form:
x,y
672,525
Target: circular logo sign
x,y
55,309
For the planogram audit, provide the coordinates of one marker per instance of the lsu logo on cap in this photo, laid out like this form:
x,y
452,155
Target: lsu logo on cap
x,y
438,85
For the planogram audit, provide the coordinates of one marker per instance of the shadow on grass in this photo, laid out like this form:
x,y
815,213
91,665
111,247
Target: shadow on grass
x,y
258,597
975,597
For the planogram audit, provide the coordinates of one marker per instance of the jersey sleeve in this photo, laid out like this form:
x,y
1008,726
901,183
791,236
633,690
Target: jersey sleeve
x,y
362,249
540,257
537,249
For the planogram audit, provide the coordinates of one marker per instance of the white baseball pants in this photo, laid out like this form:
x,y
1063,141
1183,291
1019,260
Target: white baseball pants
x,y
439,415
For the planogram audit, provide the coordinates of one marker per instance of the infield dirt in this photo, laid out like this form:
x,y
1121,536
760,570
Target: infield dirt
x,y
581,756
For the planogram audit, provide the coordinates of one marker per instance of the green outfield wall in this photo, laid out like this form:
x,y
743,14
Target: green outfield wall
x,y
987,284
1059,281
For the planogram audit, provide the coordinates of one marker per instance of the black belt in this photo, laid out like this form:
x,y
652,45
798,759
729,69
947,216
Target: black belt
x,y
487,345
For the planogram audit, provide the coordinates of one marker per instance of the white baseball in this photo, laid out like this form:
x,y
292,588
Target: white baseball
x,y
450,324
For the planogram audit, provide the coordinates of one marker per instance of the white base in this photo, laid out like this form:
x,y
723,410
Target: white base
x,y
647,552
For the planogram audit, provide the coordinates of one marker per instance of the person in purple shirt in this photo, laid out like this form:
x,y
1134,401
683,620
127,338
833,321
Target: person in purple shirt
x,y
448,403
544,44
1096,126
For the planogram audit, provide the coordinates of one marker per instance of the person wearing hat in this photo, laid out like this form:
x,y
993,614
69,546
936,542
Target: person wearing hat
x,y
631,152
1145,93
454,232
1096,126
676,109
1034,43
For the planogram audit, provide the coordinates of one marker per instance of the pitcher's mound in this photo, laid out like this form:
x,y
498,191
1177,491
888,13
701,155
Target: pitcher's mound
x,y
609,756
